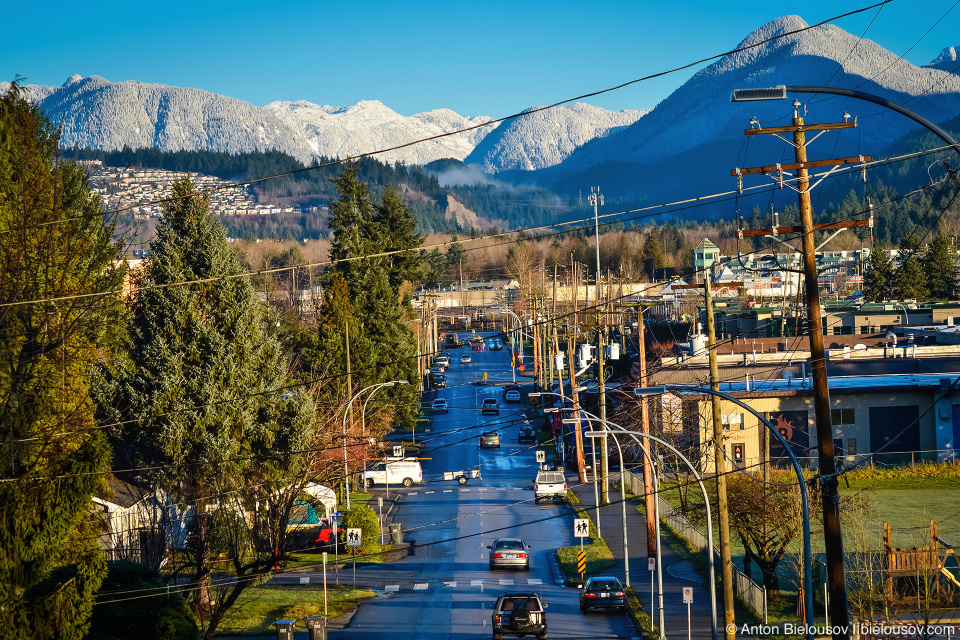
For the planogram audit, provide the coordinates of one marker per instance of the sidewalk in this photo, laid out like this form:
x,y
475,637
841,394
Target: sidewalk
x,y
677,572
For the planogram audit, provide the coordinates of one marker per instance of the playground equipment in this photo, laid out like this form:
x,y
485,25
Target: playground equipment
x,y
913,563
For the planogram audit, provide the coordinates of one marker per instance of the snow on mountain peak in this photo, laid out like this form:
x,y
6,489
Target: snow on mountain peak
x,y
946,61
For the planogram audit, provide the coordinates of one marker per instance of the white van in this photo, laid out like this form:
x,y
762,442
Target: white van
x,y
406,472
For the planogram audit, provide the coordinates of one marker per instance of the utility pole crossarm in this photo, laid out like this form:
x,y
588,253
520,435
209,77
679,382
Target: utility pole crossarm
x,y
826,126
791,166
844,224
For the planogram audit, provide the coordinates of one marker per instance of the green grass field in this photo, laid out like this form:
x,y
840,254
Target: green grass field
x,y
259,607
599,556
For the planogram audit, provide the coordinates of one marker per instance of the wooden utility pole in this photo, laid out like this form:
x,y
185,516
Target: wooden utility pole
x,y
719,465
648,471
832,535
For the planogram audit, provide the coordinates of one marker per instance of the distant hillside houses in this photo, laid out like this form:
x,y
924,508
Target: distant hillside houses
x,y
139,190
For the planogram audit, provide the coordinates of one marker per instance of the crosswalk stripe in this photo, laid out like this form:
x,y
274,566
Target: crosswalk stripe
x,y
420,586
451,583
476,583
464,490
448,490
426,493
534,581
392,587
412,493
505,582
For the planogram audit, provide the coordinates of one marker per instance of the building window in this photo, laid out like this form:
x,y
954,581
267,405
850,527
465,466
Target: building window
x,y
851,446
732,421
842,416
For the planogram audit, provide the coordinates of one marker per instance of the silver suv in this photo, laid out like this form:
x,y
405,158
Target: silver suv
x,y
519,614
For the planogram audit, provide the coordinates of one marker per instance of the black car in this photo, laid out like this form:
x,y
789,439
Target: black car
x,y
440,380
603,593
519,614
527,434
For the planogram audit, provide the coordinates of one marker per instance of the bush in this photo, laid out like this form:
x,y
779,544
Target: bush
x,y
163,616
365,519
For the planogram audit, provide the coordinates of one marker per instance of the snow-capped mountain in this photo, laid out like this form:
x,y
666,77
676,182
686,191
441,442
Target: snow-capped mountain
x,y
946,61
369,125
699,112
544,138
108,115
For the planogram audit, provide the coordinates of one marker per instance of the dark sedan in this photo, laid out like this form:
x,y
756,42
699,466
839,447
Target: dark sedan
x,y
603,593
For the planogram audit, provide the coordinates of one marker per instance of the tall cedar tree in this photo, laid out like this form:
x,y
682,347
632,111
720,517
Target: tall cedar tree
x,y
940,266
878,276
207,392
383,347
59,268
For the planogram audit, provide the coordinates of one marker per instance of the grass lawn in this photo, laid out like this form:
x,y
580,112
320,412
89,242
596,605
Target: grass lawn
x,y
314,560
599,557
259,607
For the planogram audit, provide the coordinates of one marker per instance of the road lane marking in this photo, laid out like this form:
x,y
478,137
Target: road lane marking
x,y
534,581
464,490
476,583
506,582
420,586
426,493
452,583
412,493
448,490
392,587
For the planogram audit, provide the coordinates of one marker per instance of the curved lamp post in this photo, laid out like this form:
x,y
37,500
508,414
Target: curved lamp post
x,y
615,428
363,413
807,554
346,466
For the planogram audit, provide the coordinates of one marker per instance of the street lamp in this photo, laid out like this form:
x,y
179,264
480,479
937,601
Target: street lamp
x,y
346,465
801,482
363,413
615,428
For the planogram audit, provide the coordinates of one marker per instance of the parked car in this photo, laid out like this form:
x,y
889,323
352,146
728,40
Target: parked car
x,y
440,381
466,359
527,433
397,471
440,406
603,593
549,485
490,405
519,614
437,370
509,553
490,440
512,396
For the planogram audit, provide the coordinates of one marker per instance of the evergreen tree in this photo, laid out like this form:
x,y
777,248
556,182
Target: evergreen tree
x,y
652,254
940,266
206,388
910,280
59,274
878,276
384,348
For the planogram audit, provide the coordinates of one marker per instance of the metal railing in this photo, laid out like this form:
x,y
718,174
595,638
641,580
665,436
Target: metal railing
x,y
752,594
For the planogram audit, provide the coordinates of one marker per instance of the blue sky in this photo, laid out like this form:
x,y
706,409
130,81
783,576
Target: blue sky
x,y
491,58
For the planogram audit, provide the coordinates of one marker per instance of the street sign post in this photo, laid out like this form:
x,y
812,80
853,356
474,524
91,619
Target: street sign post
x,y
324,583
380,502
581,529
354,537
688,600
651,567
398,452
581,563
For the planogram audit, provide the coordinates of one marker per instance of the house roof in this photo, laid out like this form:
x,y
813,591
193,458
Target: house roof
x,y
126,494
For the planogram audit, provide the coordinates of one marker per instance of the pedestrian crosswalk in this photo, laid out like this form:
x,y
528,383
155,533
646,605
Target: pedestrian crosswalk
x,y
456,584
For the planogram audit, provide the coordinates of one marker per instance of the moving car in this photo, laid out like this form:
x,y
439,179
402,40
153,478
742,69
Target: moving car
x,y
603,593
510,387
440,381
397,471
440,406
490,405
550,485
465,359
527,434
519,614
509,553
512,396
490,440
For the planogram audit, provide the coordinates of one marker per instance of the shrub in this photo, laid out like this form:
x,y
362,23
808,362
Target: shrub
x,y
365,519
